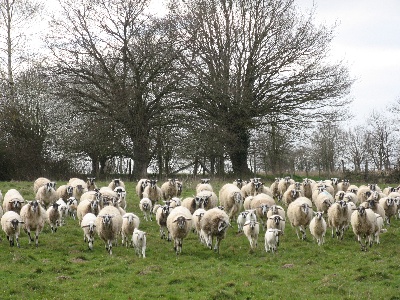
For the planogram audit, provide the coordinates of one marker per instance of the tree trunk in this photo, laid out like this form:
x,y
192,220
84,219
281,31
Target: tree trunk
x,y
238,152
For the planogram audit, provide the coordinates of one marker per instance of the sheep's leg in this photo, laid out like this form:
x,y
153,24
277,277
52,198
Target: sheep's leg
x,y
17,239
11,240
216,247
303,231
29,235
143,252
37,238
297,232
333,234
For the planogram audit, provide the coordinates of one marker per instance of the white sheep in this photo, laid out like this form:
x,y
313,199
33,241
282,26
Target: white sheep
x,y
238,182
343,185
79,187
207,199
251,230
249,189
191,203
115,183
339,218
153,192
196,219
283,185
88,226
241,219
41,181
261,204
141,185
108,225
179,224
290,195
306,188
72,206
130,222
231,198
34,217
13,201
204,185
121,192
64,191
146,207
169,189
323,201
214,223
63,209
175,201
86,206
300,214
46,195
53,217
363,222
271,240
161,218
390,207
277,222
318,227
91,184
139,242
11,225
274,189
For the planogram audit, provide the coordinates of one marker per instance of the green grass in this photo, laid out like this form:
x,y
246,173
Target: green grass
x,y
62,267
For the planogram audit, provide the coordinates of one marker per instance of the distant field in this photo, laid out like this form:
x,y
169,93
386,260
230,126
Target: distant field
x,y
62,267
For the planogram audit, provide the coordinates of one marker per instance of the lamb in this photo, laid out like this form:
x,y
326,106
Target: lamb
x,y
276,210
88,226
175,201
86,206
79,187
115,183
63,209
121,192
169,189
41,181
139,242
196,219
64,191
261,203
323,201
390,207
204,186
146,206
72,206
290,195
54,217
271,240
207,199
130,222
161,218
141,185
249,189
231,198
91,184
241,219
46,195
191,203
179,223
214,223
343,185
11,225
318,227
338,218
283,185
108,225
251,230
364,223
277,222
34,216
300,214
13,201
153,192
274,188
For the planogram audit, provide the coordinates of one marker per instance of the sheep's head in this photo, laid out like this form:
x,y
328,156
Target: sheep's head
x,y
319,215
153,183
34,205
55,206
340,195
117,182
264,208
276,219
166,210
244,214
140,234
91,227
205,180
143,184
178,186
181,221
71,200
106,219
94,205
371,203
238,182
222,225
389,201
335,181
70,190
79,188
304,207
361,210
294,193
15,223
130,218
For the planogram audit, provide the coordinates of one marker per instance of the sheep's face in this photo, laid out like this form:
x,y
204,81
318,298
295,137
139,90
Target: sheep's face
x,y
91,227
34,206
327,202
238,182
222,225
145,206
106,219
94,205
305,208
48,187
90,181
264,209
371,203
294,193
117,182
140,234
153,184
14,224
144,184
221,207
340,195
71,201
354,191
69,189
346,182
389,201
335,181
252,224
287,180
343,204
277,219
197,201
205,180
361,210
165,210
130,219
319,215
181,222
257,185
179,186
55,206
98,196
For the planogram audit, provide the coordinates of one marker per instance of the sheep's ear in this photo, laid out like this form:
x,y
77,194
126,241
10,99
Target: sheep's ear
x,y
84,226
174,221
125,217
188,219
21,222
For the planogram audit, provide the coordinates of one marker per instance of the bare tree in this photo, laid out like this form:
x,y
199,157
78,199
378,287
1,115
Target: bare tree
x,y
356,140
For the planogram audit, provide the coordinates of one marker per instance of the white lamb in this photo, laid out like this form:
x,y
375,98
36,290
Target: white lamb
x,y
139,242
130,222
121,192
300,214
390,207
34,217
231,198
277,222
241,219
86,206
146,207
196,219
179,224
271,240
214,223
53,217
251,230
46,195
91,184
318,227
13,201
11,225
63,209
88,226
72,205
108,225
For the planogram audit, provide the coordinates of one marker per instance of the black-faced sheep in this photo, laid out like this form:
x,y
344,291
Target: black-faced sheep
x,y
11,225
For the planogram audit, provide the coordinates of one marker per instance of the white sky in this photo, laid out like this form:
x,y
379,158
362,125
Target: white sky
x,y
368,39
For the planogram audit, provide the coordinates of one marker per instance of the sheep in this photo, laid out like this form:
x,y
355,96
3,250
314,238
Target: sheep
x,y
363,222
305,188
139,242
343,185
214,223
130,222
271,240
300,214
108,196
91,184
276,210
388,190
318,227
169,189
196,219
251,230
88,226
41,181
146,206
231,198
53,217
353,189
378,228
46,195
11,225
175,201
204,185
261,188
334,184
108,225
34,216
363,193
86,206
191,203
249,189
261,203
338,218
13,201
207,199
241,219
161,218
390,207
375,206
115,183
290,195
179,187
350,197
238,182
64,191
283,186
141,185
72,206
274,189
153,192
340,195
79,187
323,201
277,222
179,223
247,202
121,192
63,209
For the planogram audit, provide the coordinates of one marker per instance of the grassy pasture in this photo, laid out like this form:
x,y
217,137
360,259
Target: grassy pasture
x,y
62,267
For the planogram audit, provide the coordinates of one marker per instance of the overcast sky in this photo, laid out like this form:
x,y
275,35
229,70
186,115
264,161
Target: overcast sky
x,y
368,39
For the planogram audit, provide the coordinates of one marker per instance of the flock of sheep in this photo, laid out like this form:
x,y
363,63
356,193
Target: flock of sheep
x,y
252,205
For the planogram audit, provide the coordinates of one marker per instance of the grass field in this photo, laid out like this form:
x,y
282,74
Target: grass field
x,y
62,267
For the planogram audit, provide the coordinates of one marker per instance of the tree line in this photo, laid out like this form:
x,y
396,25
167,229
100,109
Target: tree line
x,y
221,86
